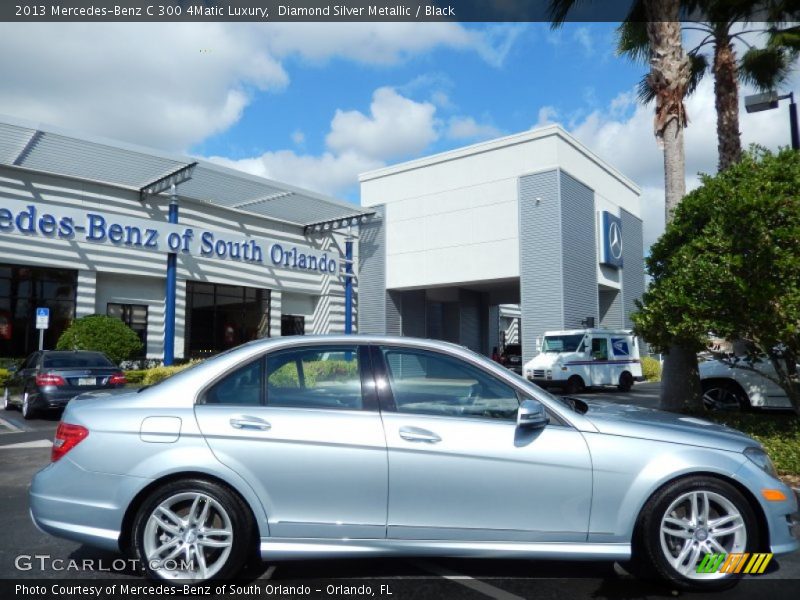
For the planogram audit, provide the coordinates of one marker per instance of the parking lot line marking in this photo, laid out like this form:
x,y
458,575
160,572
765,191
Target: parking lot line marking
x,y
9,425
32,444
467,581
269,572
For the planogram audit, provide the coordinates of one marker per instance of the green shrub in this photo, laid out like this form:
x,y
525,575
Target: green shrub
x,y
321,370
651,369
779,433
102,334
4,374
157,374
136,375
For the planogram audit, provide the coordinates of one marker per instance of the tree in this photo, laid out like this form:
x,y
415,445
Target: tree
x,y
765,67
669,79
727,265
102,334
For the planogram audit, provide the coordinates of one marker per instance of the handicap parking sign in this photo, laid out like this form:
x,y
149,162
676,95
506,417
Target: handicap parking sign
x,y
42,317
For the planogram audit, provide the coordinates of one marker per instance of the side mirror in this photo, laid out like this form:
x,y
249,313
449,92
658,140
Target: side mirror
x,y
532,414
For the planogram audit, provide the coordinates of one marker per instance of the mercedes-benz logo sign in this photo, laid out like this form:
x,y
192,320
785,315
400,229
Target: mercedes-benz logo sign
x,y
615,240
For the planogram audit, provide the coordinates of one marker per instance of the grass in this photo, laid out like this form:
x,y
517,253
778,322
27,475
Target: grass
x,y
779,433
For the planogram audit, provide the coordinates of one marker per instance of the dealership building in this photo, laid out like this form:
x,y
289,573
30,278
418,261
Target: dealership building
x,y
510,237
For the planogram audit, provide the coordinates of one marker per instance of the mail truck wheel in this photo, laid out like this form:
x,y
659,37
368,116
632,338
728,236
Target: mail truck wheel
x,y
625,382
574,385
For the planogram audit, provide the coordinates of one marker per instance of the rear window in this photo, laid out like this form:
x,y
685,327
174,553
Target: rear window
x,y
70,360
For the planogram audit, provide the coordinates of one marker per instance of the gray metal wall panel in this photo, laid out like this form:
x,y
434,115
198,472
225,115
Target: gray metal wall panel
x,y
470,322
633,264
494,327
540,259
611,309
372,297
393,303
413,311
579,248
433,323
451,317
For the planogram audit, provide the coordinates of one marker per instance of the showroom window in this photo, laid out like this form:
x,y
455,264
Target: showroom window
x,y
134,316
22,291
433,384
219,317
293,325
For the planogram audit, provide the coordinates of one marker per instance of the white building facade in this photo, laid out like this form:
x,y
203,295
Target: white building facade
x,y
80,234
533,219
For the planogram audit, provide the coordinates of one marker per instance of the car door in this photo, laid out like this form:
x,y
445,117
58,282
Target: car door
x,y
20,380
461,469
299,426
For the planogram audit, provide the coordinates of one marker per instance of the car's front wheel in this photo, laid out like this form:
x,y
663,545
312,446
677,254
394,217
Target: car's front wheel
x,y
574,385
192,529
690,518
721,395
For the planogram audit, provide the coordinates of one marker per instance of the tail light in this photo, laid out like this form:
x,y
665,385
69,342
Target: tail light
x,y
43,379
67,437
117,379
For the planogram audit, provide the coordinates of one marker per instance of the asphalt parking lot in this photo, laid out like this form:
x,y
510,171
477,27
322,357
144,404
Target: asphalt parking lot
x,y
25,448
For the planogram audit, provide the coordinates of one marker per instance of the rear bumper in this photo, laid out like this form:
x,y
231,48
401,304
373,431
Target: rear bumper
x,y
69,502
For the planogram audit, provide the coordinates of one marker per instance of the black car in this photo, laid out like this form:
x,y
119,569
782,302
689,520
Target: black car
x,y
48,379
511,358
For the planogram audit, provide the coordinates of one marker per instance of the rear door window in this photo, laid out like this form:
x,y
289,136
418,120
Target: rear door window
x,y
241,387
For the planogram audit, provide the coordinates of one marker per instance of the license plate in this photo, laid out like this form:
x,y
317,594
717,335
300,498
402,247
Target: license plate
x,y
87,381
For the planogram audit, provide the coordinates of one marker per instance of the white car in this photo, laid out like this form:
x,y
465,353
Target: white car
x,y
734,388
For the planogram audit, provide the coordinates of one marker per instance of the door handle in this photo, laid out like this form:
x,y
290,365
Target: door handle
x,y
416,434
250,423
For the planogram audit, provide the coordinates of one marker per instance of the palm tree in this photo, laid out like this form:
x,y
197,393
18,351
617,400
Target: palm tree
x,y
727,20
669,79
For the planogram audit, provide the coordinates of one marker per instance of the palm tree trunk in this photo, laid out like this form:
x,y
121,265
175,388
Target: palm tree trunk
x,y
726,98
669,79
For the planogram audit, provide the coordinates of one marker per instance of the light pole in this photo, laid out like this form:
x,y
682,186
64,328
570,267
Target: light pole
x,y
768,101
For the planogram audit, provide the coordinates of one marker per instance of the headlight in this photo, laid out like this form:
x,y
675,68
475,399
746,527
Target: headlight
x,y
761,459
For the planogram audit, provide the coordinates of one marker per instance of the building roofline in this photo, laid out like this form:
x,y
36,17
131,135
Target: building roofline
x,y
497,143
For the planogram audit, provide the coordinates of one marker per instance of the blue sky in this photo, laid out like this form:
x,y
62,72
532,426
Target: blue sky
x,y
315,104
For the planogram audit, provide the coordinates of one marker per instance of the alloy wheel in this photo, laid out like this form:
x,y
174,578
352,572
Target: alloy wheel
x,y
697,523
188,536
721,397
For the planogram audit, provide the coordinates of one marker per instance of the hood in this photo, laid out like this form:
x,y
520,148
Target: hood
x,y
634,421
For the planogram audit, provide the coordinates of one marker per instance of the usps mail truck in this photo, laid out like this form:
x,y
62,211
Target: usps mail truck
x,y
581,358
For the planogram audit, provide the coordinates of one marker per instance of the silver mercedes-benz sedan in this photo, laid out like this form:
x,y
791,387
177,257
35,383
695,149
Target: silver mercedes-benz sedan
x,y
354,445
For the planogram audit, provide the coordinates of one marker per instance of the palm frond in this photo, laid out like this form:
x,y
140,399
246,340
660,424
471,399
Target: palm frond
x,y
558,11
764,68
632,41
699,67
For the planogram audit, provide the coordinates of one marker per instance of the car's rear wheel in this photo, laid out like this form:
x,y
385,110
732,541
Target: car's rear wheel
x,y
574,385
625,382
192,529
690,518
721,395
28,411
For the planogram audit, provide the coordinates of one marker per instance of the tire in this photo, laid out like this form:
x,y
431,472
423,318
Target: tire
x,y
7,400
625,382
214,508
574,385
28,412
667,519
722,395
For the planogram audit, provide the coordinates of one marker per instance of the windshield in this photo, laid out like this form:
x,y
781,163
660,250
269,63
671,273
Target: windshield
x,y
562,343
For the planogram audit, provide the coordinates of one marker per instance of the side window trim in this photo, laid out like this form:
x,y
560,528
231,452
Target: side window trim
x,y
368,400
383,384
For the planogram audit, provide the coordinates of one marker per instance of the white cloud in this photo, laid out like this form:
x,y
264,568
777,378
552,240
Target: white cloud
x,y
172,85
623,136
467,128
583,37
396,126
298,137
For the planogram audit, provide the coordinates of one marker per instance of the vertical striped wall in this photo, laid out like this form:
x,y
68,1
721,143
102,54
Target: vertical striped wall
x,y
579,249
470,304
413,310
393,306
373,310
87,288
275,313
611,309
633,264
541,285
